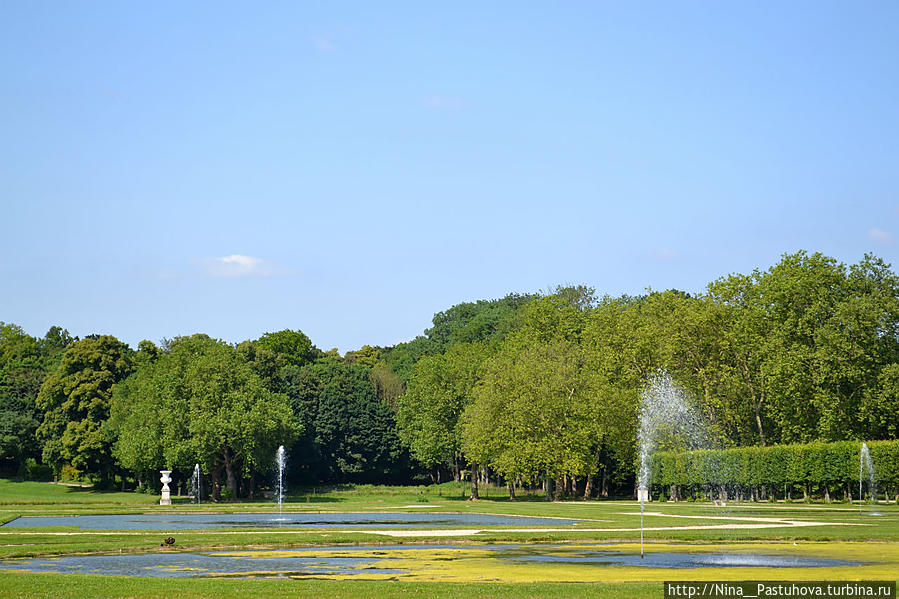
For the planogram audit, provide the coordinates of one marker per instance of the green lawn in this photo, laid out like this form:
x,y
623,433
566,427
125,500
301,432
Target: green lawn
x,y
75,586
873,539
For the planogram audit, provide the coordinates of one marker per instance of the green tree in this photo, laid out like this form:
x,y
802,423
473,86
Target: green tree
x,y
366,356
350,433
535,412
388,385
476,321
201,402
468,322
403,356
24,364
292,348
355,433
428,414
75,399
532,416
806,343
21,375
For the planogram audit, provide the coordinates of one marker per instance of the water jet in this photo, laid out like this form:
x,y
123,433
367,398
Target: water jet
x,y
282,462
196,489
866,463
668,420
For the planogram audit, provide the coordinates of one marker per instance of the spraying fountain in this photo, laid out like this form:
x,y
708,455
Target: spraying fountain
x,y
865,463
196,489
282,462
667,421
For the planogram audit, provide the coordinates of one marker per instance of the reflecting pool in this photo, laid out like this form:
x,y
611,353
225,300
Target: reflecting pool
x,y
407,561
269,520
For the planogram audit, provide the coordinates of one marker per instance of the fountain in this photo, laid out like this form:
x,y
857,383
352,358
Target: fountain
x,y
865,462
282,462
196,489
667,421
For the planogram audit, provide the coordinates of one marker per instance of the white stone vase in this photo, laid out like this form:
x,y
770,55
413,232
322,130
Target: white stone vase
x,y
166,498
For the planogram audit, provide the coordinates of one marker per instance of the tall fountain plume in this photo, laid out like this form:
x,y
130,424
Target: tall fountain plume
x,y
865,463
281,459
196,489
668,420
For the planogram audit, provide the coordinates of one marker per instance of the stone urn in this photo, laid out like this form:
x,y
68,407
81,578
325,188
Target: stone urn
x,y
643,495
166,498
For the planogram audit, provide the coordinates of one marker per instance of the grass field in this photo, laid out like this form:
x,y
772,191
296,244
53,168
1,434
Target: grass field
x,y
816,530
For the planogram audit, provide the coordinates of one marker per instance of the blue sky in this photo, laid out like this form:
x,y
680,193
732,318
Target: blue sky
x,y
349,169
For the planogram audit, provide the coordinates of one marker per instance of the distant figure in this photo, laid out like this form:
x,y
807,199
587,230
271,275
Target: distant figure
x,y
168,542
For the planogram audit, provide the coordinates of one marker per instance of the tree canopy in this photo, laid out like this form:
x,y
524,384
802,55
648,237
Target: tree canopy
x,y
75,403
533,388
200,402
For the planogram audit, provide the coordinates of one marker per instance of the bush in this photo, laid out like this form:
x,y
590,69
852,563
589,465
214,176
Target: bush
x,y
71,474
817,466
31,470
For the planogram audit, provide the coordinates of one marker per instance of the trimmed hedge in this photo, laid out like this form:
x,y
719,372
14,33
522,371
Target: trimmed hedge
x,y
777,471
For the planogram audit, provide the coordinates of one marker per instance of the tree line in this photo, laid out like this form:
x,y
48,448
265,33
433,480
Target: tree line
x,y
829,470
536,389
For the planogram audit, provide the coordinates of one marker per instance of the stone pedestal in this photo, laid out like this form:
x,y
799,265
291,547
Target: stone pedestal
x,y
166,498
643,495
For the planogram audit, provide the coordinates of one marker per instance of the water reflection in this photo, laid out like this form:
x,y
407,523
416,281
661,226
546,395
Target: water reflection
x,y
396,561
303,520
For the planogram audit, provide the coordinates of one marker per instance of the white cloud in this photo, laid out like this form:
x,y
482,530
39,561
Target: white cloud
x,y
879,236
238,265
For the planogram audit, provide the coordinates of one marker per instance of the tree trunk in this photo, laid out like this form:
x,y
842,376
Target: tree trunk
x,y
758,422
216,475
474,482
230,479
559,488
588,488
511,489
548,488
757,400
604,491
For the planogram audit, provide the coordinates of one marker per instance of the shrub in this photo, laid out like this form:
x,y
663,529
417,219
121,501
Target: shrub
x,y
31,470
815,466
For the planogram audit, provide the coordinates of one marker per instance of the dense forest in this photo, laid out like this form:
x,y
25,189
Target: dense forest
x,y
532,389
